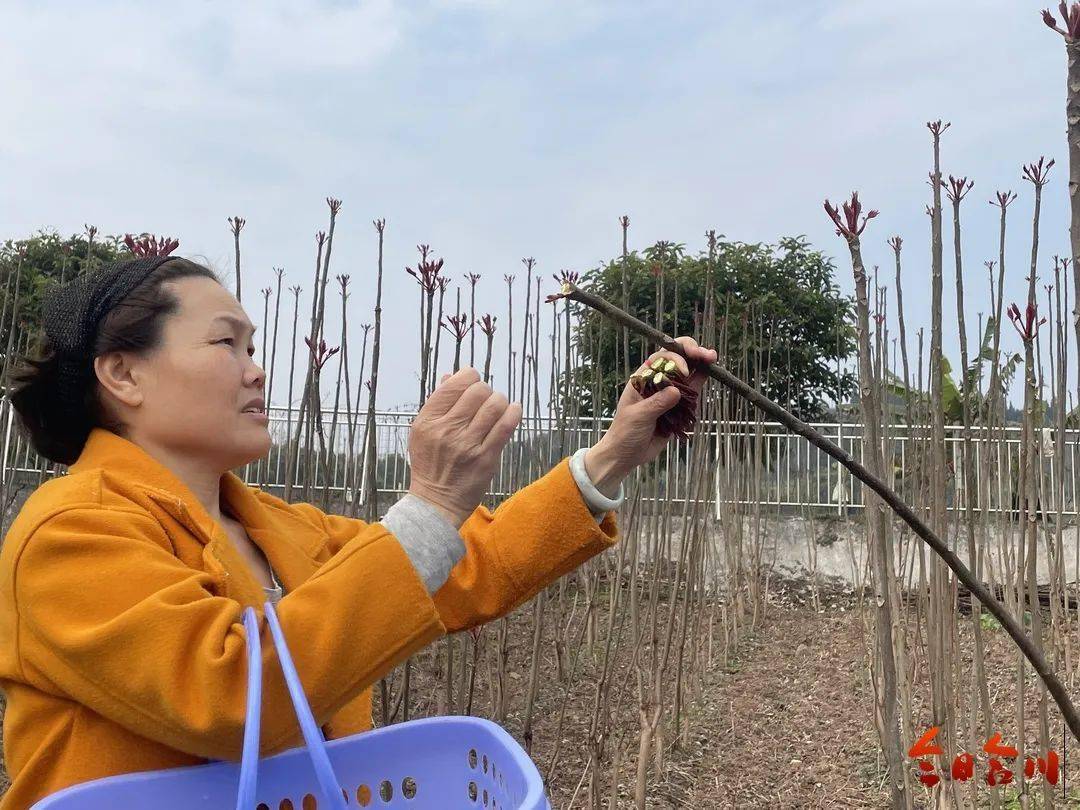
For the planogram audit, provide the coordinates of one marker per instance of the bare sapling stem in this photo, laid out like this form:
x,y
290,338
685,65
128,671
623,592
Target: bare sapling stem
x,y
236,224
827,446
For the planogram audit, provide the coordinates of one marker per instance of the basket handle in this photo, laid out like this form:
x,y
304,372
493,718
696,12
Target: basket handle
x,y
313,736
249,763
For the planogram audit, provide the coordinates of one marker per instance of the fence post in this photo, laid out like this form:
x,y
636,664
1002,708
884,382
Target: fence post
x,y
7,442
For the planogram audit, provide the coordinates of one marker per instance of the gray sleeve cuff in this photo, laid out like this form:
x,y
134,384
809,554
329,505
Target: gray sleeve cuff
x,y
599,504
431,542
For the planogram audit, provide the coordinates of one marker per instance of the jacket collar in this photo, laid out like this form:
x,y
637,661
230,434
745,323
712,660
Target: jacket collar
x,y
127,461
288,541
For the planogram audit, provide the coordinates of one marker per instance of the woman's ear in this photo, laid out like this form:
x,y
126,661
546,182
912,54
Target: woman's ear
x,y
119,378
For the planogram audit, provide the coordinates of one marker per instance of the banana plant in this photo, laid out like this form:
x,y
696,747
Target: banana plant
x,y
953,395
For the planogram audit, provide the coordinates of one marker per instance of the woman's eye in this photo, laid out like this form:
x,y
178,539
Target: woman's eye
x,y
225,340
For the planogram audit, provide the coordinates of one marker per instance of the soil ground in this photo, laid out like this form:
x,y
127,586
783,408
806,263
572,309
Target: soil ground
x,y
787,722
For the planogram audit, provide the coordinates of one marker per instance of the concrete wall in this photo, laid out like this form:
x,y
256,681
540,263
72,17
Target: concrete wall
x,y
835,547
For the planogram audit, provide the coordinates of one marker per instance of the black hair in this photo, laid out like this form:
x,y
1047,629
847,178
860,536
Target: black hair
x,y
134,325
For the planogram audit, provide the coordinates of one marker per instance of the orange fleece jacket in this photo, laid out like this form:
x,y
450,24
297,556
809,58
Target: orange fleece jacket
x,y
121,642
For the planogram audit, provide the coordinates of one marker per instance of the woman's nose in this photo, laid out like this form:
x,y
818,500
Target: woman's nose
x,y
256,376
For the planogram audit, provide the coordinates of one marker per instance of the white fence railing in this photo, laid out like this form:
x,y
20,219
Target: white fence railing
x,y
792,473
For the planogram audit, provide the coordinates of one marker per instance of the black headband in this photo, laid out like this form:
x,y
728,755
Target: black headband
x,y
71,315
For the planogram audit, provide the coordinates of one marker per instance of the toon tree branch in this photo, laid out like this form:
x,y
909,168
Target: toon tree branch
x,y
797,426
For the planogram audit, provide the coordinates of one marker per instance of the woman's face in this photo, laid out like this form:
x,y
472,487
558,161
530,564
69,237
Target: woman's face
x,y
188,398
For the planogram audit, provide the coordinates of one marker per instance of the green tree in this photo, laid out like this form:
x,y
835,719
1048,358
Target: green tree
x,y
42,260
784,320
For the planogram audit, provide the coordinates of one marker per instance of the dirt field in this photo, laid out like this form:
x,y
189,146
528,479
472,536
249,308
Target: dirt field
x,y
787,723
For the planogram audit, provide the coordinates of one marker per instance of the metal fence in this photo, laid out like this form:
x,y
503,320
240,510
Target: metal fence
x,y
791,473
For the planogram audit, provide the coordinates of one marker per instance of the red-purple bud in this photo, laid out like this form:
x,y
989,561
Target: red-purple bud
x,y
680,418
147,245
849,227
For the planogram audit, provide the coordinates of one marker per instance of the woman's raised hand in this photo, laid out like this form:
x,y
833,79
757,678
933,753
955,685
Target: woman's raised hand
x,y
455,442
632,440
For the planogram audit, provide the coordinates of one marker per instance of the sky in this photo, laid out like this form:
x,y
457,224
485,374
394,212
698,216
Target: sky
x,y
496,130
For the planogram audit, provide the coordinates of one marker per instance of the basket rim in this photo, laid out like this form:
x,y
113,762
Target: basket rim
x,y
500,734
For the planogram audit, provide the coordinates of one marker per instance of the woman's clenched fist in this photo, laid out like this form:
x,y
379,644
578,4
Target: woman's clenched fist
x,y
632,438
455,442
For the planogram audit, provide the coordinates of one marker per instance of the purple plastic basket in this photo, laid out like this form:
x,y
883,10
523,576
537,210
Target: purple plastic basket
x,y
438,762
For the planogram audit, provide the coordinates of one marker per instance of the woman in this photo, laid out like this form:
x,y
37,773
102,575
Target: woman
x,y
122,583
